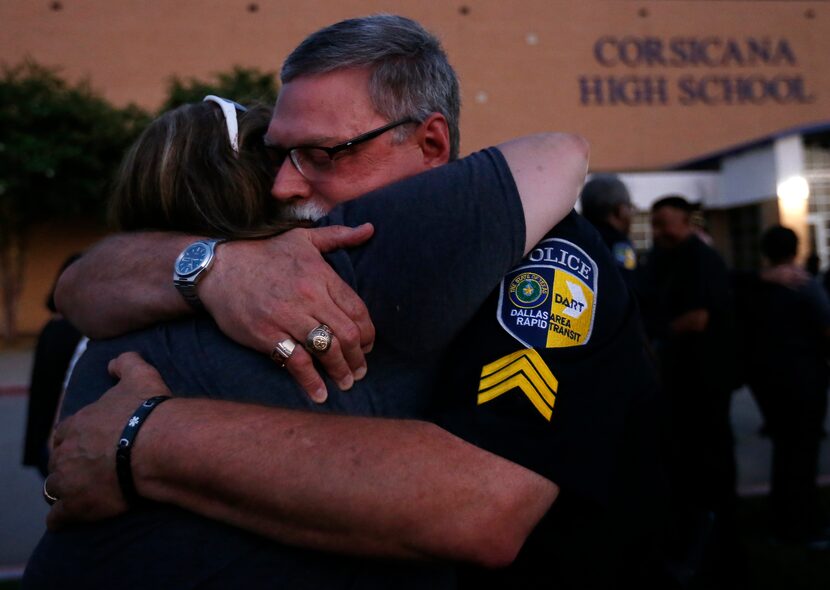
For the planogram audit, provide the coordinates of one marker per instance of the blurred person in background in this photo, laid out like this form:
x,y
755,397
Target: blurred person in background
x,y
606,203
786,334
687,306
53,354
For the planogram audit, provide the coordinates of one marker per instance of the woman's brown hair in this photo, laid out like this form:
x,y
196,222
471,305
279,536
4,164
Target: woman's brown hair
x,y
182,174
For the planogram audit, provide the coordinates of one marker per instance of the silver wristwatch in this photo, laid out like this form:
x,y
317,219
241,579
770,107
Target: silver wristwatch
x,y
191,266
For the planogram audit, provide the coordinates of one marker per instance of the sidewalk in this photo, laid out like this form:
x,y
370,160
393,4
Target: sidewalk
x,y
753,453
23,511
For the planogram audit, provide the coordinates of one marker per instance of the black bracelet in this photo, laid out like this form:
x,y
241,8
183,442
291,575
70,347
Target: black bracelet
x,y
125,446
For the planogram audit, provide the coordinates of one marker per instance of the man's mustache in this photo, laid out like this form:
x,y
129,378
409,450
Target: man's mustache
x,y
304,211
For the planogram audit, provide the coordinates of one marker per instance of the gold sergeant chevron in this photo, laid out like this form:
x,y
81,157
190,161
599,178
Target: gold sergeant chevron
x,y
526,370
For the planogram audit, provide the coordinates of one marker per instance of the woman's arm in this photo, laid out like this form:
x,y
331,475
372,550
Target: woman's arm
x,y
549,170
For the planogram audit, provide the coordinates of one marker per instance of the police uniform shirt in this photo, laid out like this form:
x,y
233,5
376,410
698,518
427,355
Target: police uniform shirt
x,y
678,280
442,240
564,388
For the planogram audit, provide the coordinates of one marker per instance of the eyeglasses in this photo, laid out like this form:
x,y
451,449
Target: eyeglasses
x,y
229,109
315,162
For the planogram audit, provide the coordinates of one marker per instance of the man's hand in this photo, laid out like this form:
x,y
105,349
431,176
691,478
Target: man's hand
x,y
694,321
263,291
82,465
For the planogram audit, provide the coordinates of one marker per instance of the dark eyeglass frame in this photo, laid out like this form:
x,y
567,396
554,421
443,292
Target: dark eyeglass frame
x,y
336,149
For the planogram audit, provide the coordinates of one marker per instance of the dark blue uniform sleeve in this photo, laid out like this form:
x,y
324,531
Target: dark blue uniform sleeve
x,y
549,373
443,240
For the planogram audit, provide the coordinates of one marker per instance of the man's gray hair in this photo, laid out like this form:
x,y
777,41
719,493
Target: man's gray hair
x,y
410,74
601,196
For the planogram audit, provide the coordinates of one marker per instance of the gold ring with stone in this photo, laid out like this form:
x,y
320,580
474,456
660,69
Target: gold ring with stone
x,y
319,339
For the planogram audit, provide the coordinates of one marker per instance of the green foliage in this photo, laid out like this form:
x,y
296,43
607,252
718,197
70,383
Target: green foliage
x,y
61,145
244,85
59,148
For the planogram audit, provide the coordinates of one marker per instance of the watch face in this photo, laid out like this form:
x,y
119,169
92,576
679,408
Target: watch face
x,y
192,259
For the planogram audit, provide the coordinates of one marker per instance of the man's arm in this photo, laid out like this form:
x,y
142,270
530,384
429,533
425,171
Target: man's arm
x,y
259,292
397,488
123,283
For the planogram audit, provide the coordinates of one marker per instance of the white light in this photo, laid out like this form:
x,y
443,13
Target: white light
x,y
532,39
793,190
481,97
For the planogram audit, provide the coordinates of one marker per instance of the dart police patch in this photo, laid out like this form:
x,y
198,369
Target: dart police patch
x,y
624,255
548,301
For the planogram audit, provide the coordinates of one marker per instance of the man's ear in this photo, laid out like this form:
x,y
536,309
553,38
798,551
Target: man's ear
x,y
433,137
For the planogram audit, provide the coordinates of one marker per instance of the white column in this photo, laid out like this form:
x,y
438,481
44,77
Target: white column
x,y
792,189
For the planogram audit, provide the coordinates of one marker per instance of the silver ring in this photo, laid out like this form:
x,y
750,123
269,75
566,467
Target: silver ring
x,y
50,499
319,339
283,351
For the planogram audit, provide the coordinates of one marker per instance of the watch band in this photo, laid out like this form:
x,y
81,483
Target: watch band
x,y
188,291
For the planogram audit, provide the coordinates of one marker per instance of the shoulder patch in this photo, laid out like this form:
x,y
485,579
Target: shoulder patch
x,y
624,255
524,370
549,300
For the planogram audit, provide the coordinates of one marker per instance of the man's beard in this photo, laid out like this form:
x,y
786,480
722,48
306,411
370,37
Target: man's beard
x,y
305,211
